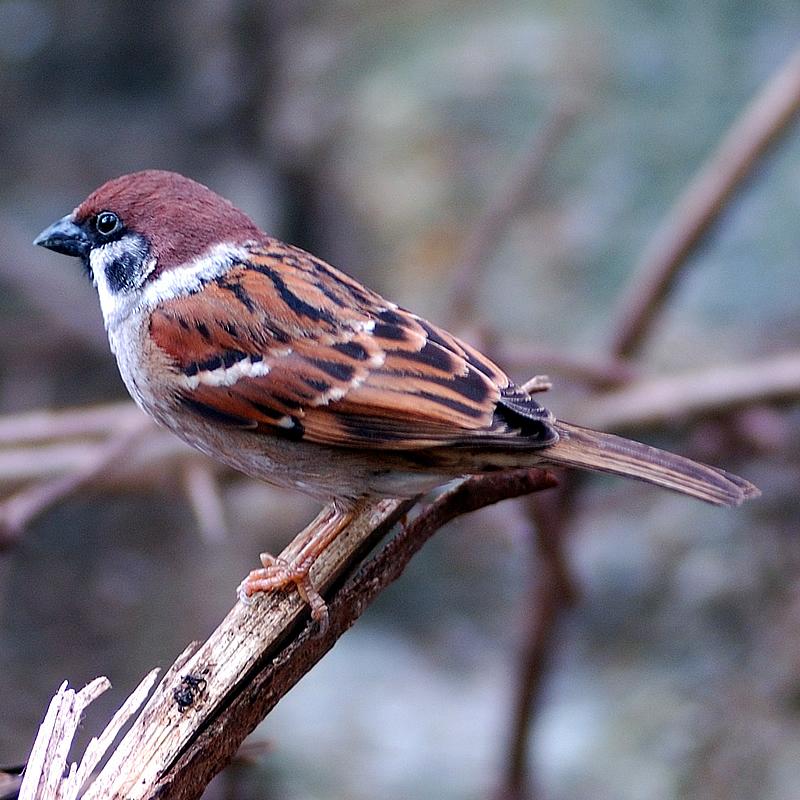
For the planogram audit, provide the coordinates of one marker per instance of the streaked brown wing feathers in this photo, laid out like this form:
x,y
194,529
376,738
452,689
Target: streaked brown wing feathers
x,y
311,353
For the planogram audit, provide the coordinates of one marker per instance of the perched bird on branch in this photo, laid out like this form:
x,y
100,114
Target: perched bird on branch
x,y
272,361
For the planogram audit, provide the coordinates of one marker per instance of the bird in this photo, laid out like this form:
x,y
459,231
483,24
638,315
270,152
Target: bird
x,y
287,369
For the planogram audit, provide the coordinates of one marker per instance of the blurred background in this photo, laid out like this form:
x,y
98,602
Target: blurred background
x,y
377,134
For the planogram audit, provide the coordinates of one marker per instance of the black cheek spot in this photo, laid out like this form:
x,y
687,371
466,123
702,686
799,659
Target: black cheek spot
x,y
202,329
123,272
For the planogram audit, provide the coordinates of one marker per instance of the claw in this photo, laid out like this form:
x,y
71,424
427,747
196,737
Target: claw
x,y
281,572
277,574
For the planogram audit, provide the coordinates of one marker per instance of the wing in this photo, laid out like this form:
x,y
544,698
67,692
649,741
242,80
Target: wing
x,y
285,344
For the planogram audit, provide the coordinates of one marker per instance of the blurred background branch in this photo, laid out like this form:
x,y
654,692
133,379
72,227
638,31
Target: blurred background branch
x,y
705,198
374,134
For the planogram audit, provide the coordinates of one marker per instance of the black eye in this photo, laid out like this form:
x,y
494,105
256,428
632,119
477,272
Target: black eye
x,y
106,223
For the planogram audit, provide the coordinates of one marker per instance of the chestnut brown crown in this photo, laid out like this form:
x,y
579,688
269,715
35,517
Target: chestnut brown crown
x,y
179,218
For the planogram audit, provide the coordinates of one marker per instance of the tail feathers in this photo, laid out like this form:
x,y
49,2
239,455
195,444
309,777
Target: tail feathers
x,y
603,452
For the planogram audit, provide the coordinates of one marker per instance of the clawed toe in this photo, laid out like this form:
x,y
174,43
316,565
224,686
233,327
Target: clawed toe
x,y
277,574
294,569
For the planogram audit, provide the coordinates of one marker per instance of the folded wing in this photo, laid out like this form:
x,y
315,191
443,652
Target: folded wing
x,y
286,345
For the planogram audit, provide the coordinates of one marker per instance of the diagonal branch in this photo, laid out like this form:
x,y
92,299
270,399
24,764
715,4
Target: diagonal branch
x,y
205,707
703,202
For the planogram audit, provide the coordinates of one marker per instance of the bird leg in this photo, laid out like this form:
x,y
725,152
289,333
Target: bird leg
x,y
295,562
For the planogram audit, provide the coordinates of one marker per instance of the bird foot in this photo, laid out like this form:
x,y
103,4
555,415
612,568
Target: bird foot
x,y
277,574
294,566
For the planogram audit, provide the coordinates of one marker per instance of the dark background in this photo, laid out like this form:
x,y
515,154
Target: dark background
x,y
374,133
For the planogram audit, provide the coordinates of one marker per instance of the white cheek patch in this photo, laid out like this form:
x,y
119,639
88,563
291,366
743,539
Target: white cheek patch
x,y
226,376
116,303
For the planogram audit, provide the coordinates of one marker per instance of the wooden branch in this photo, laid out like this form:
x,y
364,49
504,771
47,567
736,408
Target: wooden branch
x,y
715,390
201,761
18,510
212,697
223,665
42,426
703,202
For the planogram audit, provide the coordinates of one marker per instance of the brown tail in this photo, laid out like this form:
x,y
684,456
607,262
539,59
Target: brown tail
x,y
603,452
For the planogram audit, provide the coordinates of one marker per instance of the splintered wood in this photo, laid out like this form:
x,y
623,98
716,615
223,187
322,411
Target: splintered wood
x,y
48,774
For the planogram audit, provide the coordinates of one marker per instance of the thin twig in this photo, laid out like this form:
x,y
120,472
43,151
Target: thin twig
x,y
17,511
508,200
203,491
42,426
552,590
653,402
594,372
703,202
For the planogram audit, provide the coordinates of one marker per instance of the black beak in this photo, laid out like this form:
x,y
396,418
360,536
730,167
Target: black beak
x,y
65,237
